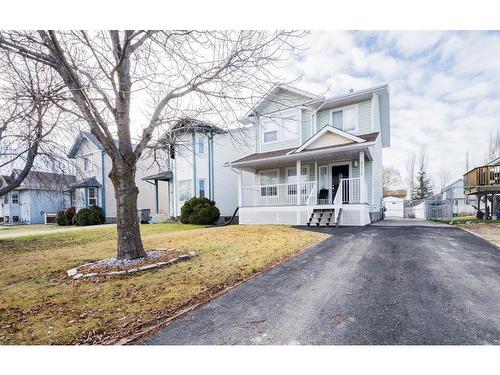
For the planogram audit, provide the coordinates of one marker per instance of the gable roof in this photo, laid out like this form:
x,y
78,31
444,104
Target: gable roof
x,y
309,97
39,180
329,129
83,135
86,182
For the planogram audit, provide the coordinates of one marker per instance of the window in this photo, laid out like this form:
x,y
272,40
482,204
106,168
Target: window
x,y
292,179
92,196
15,219
199,145
15,198
269,179
87,166
201,188
6,199
345,119
184,190
271,136
283,126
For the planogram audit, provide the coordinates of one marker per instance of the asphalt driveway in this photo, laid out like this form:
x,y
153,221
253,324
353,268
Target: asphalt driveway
x,y
382,284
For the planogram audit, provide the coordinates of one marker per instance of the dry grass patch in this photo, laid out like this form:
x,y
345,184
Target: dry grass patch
x,y
39,305
488,230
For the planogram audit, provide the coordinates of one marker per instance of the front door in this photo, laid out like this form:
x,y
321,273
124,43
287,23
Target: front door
x,y
338,173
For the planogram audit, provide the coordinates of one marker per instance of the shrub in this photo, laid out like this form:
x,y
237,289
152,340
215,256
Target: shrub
x,y
97,214
199,211
84,217
66,217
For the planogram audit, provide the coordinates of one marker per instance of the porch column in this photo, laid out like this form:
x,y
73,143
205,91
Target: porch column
x,y
494,207
157,203
362,191
240,186
298,181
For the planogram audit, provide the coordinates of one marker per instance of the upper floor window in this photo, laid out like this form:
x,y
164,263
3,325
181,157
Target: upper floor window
x,y
92,196
281,127
15,197
6,199
345,119
199,145
87,166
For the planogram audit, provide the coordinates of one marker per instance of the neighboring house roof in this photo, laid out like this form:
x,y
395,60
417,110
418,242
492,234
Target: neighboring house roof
x,y
83,135
86,182
397,193
452,185
190,125
7,179
494,161
39,180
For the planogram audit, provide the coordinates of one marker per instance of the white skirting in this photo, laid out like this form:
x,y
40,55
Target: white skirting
x,y
352,215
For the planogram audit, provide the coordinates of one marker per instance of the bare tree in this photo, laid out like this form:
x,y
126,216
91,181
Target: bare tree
x,y
444,178
149,79
493,146
411,172
390,178
28,115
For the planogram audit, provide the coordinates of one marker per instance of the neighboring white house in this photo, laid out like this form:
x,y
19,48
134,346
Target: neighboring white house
x,y
40,194
394,207
315,160
198,153
95,187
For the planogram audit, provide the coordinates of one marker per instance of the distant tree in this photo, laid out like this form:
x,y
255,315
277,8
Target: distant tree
x,y
444,178
423,185
493,146
391,178
411,170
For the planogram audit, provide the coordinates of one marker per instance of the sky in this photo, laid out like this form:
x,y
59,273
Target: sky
x,y
444,88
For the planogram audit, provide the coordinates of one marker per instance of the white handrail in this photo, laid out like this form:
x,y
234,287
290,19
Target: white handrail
x,y
278,194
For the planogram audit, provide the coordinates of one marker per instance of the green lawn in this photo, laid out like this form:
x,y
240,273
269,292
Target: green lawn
x,y
39,305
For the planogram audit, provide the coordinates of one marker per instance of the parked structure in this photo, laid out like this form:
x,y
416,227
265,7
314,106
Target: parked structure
x,y
394,207
484,183
36,201
315,160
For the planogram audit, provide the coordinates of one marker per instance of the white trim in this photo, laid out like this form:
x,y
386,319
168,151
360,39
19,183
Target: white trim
x,y
290,156
323,131
280,115
295,168
343,108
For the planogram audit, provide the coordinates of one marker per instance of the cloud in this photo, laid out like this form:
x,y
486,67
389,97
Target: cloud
x,y
445,87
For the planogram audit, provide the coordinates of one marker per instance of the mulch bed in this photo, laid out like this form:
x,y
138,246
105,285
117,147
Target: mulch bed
x,y
116,267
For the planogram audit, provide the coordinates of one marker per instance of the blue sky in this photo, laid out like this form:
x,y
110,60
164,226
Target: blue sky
x,y
445,87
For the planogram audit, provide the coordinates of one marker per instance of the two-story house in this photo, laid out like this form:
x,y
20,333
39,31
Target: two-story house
x,y
315,160
198,153
40,194
94,187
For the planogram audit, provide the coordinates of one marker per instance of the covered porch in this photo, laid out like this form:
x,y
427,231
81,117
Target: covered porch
x,y
289,187
155,180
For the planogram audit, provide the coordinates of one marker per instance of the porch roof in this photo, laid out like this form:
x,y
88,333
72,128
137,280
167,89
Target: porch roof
x,y
162,176
341,152
87,182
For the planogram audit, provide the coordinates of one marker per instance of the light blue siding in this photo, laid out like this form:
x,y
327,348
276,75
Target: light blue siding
x,y
364,117
306,126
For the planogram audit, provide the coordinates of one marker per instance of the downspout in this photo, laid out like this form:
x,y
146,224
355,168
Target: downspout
x,y
103,177
211,165
316,114
194,164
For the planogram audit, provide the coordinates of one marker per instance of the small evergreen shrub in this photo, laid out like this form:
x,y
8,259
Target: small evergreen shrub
x,y
65,217
200,211
84,217
97,214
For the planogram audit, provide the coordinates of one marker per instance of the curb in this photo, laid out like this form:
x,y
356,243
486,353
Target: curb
x,y
478,236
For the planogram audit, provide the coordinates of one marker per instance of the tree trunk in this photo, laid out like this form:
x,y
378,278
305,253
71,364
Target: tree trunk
x,y
129,242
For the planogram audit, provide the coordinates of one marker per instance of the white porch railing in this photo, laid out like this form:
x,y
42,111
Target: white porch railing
x,y
350,191
278,195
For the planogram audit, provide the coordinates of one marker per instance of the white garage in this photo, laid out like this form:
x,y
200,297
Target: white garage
x,y
394,207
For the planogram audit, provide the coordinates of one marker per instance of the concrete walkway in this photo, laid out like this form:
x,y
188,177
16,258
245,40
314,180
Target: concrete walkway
x,y
382,284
